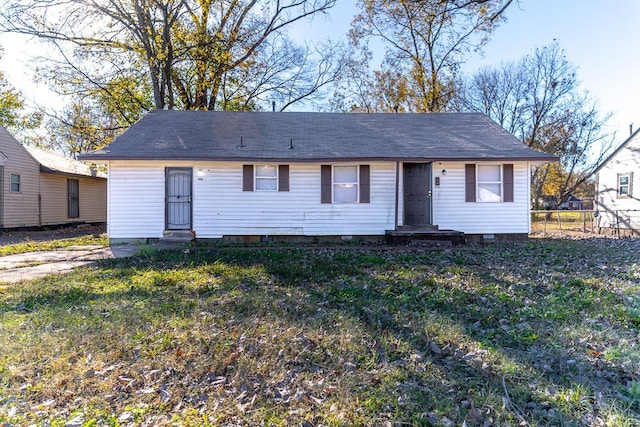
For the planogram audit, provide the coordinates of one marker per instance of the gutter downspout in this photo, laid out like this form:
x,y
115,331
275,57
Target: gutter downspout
x,y
39,198
108,197
395,224
529,205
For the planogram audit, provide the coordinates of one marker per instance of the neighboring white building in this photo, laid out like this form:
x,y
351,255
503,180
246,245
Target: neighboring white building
x,y
618,188
225,174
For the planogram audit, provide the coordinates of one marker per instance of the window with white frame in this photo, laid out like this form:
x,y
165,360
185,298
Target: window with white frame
x,y
489,183
15,183
624,185
345,184
266,178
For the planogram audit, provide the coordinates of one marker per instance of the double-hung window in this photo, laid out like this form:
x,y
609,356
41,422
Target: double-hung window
x,y
15,183
624,185
345,184
489,183
266,177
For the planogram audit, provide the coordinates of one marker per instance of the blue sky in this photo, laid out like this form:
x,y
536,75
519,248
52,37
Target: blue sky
x,y
600,38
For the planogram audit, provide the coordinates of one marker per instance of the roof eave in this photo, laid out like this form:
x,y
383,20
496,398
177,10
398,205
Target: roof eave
x,y
616,151
532,159
45,169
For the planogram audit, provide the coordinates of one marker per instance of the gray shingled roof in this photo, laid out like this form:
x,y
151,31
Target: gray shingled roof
x,y
242,136
52,162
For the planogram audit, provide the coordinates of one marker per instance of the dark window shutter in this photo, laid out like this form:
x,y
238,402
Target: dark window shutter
x,y
365,184
325,183
283,178
507,176
470,183
247,177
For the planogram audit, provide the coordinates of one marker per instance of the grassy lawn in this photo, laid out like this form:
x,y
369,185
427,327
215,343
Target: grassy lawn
x,y
537,333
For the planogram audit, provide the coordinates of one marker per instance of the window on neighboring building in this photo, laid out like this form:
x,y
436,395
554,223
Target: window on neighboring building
x,y
15,183
624,185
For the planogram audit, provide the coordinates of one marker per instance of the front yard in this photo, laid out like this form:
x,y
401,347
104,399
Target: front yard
x,y
537,333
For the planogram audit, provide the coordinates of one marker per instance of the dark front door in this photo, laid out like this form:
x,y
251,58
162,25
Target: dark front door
x,y
417,193
178,197
73,195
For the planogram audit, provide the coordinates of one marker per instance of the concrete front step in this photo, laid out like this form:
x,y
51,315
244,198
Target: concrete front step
x,y
177,236
405,236
417,227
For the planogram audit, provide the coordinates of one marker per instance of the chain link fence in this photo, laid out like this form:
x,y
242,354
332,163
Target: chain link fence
x,y
565,222
619,223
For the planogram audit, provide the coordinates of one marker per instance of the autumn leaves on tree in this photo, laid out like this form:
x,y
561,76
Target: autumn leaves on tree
x,y
120,58
424,43
116,59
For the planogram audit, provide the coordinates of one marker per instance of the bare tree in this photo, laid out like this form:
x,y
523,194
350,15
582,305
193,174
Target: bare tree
x,y
499,92
187,48
119,58
539,100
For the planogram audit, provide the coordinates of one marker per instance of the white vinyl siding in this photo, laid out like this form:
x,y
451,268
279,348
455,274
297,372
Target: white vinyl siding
x,y
136,191
220,207
615,207
450,211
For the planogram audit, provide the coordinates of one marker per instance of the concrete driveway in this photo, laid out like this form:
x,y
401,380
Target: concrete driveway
x,y
31,265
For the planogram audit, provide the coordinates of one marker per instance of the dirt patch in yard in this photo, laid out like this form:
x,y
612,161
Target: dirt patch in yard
x,y
31,265
9,237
